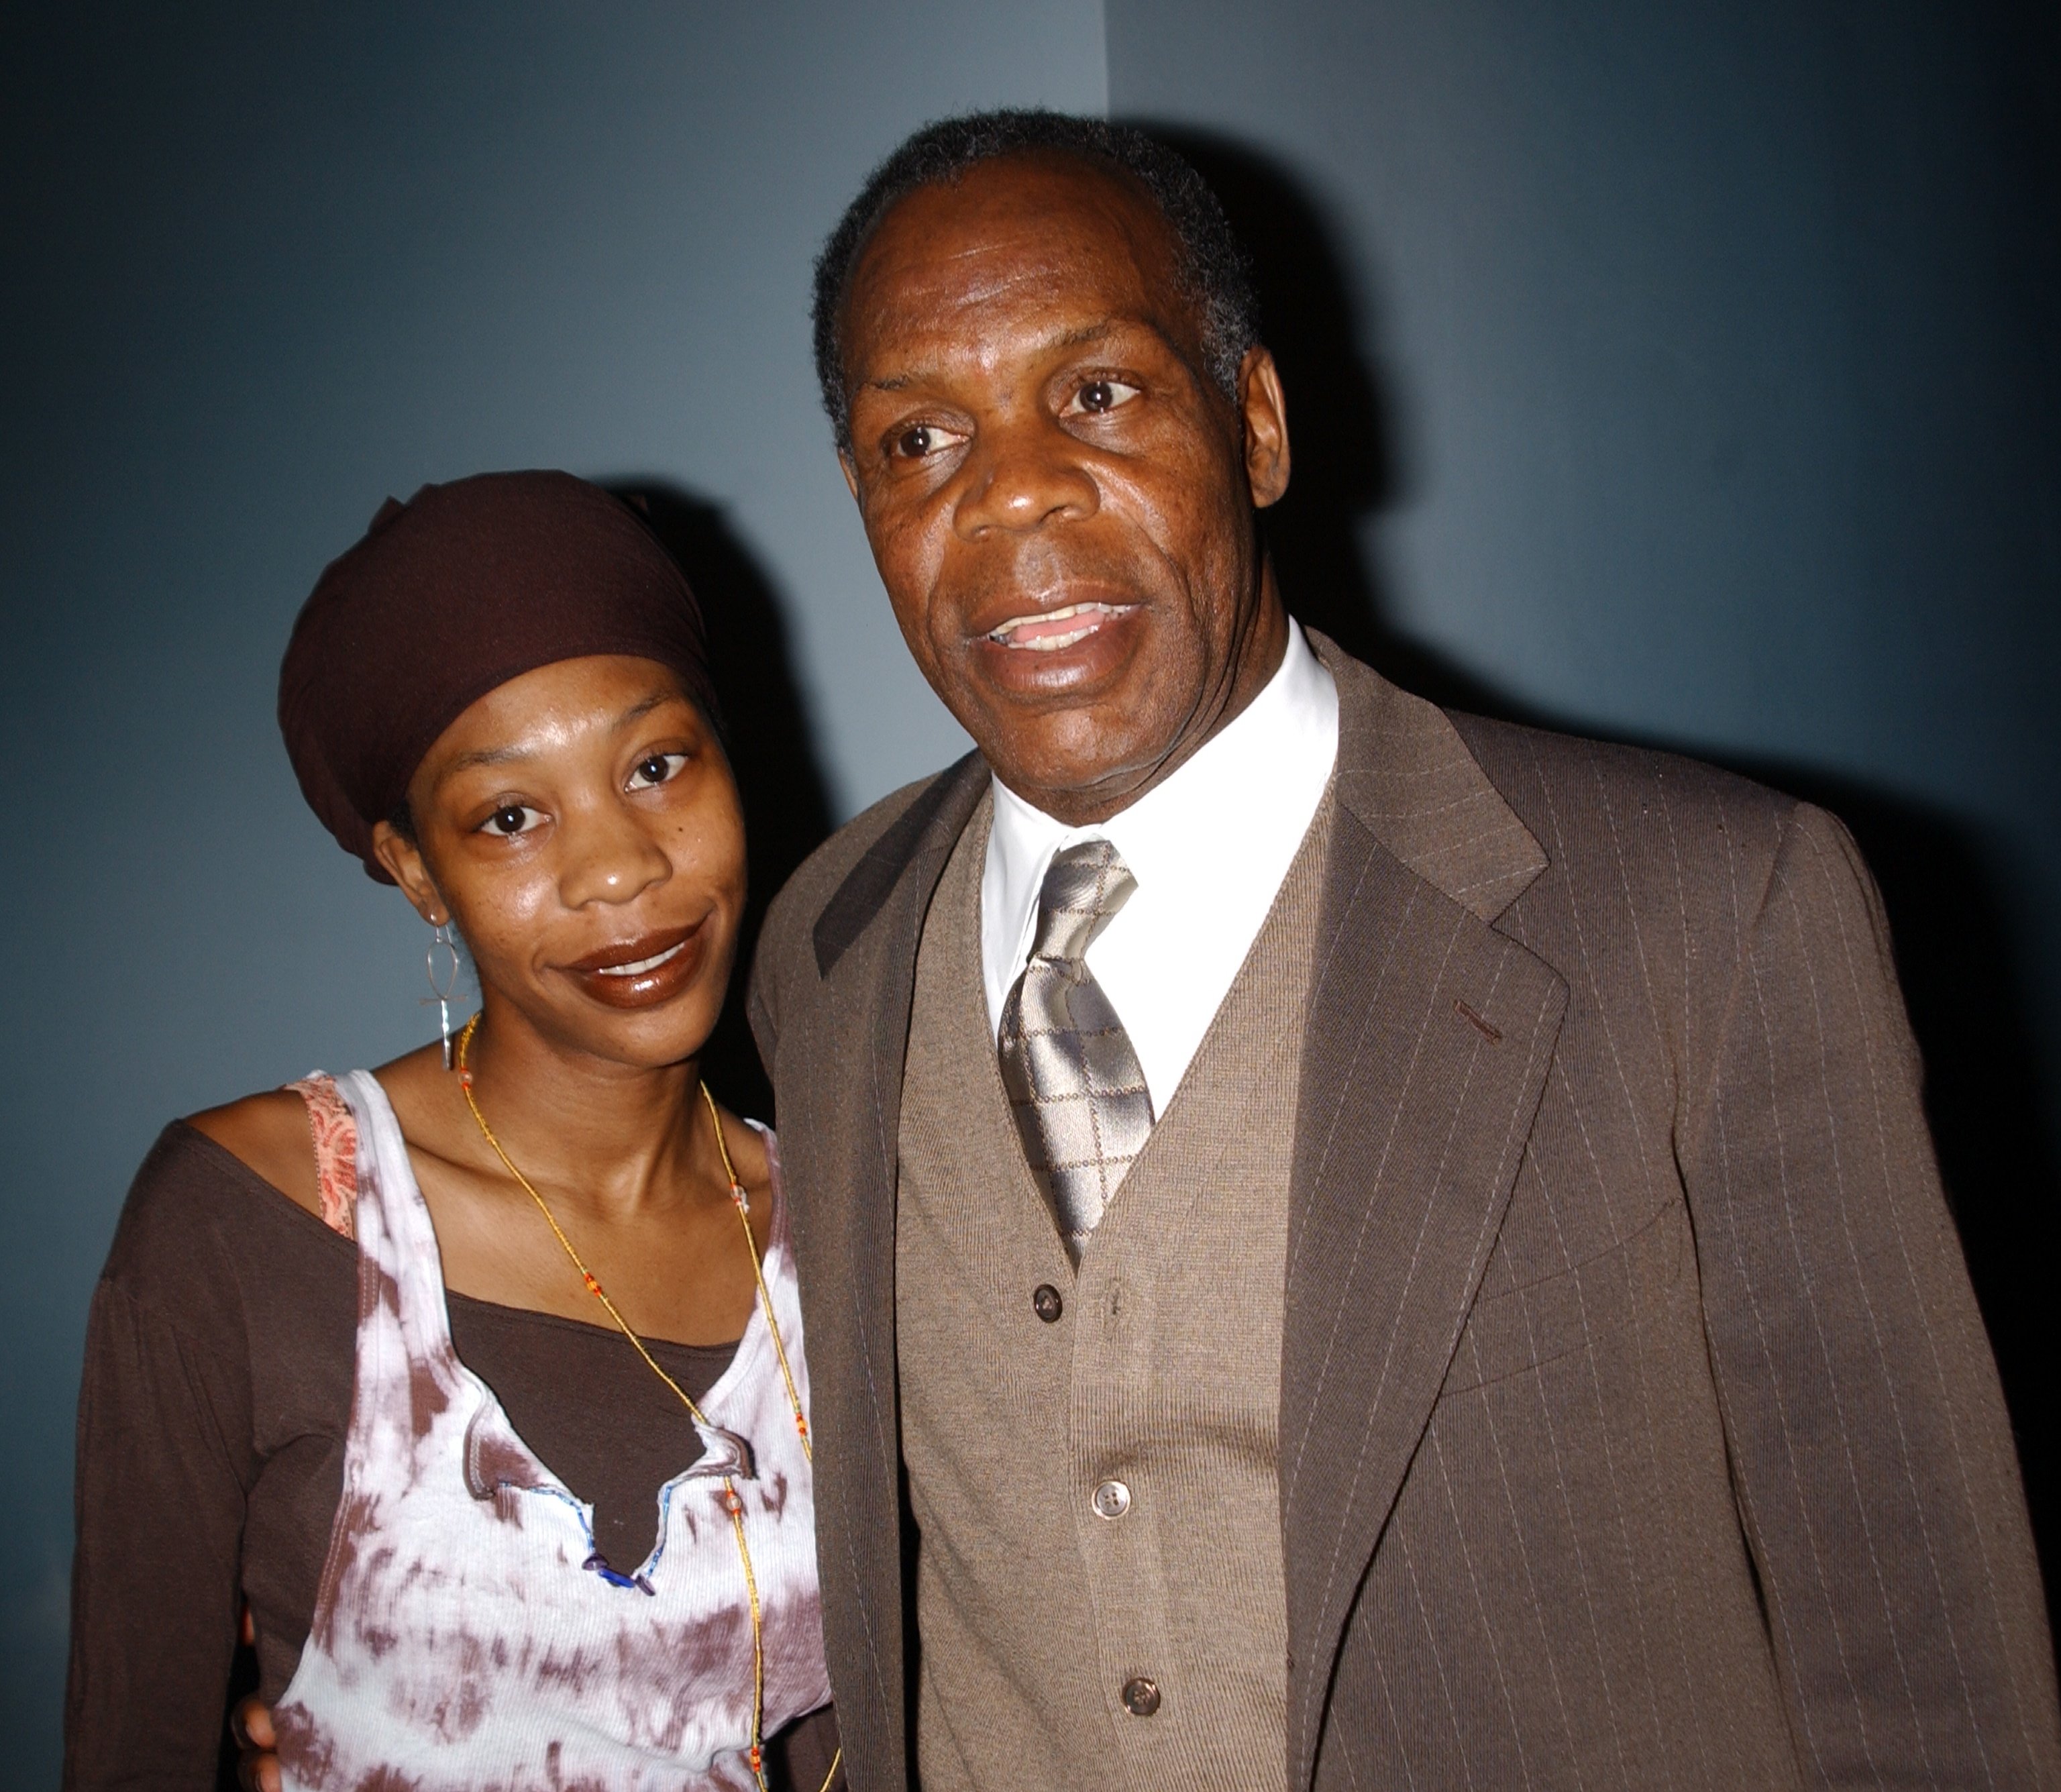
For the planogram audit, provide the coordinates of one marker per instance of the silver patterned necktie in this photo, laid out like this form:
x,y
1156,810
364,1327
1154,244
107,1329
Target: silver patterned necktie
x,y
1074,1082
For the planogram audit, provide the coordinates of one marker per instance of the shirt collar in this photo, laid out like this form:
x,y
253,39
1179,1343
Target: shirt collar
x,y
1176,829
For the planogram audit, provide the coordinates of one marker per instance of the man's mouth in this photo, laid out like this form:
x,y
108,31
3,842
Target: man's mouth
x,y
1049,630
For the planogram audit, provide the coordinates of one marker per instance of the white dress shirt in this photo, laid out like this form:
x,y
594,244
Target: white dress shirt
x,y
1209,847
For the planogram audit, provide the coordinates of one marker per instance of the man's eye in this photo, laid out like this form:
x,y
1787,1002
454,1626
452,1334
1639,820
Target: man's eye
x,y
1101,395
920,441
656,768
512,818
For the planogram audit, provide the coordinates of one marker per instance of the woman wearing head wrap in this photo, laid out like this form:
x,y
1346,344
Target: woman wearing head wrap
x,y
474,1384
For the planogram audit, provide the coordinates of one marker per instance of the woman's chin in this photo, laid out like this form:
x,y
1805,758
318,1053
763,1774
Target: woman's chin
x,y
655,1035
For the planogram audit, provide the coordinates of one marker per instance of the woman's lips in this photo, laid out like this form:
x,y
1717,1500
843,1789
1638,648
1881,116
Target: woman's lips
x,y
641,973
637,965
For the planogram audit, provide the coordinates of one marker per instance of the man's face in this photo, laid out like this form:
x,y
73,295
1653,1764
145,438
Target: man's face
x,y
1058,497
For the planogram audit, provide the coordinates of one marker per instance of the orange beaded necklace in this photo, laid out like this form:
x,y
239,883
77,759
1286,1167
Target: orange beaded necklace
x,y
733,1503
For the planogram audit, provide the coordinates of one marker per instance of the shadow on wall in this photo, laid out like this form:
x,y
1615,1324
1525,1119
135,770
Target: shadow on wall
x,y
1966,998
786,799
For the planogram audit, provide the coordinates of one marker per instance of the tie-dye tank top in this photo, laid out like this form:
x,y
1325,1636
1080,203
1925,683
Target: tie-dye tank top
x,y
465,1636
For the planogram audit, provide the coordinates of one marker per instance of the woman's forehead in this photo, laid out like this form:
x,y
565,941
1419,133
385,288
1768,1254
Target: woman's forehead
x,y
569,704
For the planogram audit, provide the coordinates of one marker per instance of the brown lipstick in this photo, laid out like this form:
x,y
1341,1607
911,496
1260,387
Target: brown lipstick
x,y
644,972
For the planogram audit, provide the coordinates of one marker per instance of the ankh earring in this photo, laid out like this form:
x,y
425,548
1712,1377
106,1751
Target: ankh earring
x,y
442,988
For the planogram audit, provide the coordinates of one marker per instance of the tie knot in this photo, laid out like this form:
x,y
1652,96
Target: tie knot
x,y
1084,887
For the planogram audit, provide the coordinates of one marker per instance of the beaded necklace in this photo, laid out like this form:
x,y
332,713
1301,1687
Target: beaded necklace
x,y
733,1503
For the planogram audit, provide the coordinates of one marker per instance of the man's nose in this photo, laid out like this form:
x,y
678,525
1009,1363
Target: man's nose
x,y
608,856
1023,473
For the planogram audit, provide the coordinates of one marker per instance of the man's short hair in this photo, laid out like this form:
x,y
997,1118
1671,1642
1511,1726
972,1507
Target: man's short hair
x,y
1215,275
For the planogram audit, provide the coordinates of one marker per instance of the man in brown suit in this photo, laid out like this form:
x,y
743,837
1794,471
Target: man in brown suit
x,y
1515,1335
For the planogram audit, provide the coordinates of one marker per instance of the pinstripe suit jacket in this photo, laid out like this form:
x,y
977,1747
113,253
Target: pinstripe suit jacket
x,y
1638,1426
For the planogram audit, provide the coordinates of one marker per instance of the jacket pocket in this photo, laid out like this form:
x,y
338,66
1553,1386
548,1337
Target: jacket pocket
x,y
1518,1329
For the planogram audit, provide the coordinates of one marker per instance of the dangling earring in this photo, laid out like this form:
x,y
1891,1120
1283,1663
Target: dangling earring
x,y
442,988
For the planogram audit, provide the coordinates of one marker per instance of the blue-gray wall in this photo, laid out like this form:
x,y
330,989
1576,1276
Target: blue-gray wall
x,y
1689,373
1719,348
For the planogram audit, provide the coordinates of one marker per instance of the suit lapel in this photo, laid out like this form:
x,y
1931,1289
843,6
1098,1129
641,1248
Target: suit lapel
x,y
1430,1034
843,1160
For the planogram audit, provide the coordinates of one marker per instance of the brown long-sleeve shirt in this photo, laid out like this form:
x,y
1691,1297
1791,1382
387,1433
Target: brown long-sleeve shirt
x,y
213,1419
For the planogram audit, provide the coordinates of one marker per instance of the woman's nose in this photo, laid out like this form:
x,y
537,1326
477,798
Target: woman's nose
x,y
1021,475
609,856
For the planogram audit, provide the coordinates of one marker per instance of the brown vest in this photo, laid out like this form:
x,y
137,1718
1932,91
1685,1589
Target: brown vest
x,y
1156,1389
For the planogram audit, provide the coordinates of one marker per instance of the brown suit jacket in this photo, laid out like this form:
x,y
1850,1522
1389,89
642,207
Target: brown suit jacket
x,y
1638,1426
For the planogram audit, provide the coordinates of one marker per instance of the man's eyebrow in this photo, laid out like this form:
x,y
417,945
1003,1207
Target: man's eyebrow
x,y
1072,338
507,755
1087,333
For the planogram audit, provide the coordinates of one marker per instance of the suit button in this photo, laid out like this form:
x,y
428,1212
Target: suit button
x,y
1141,1697
1045,1303
1112,1500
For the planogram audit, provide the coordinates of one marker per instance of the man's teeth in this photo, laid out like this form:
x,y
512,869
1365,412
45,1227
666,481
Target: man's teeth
x,y
642,965
1049,638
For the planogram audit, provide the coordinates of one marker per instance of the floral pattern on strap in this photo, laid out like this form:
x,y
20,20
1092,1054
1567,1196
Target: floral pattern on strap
x,y
335,1130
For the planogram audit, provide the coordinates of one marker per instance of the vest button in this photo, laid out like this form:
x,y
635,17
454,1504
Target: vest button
x,y
1112,1500
1141,1697
1045,1303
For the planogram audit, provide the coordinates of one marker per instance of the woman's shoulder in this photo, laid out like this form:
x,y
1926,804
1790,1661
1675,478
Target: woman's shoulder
x,y
750,1143
200,1211
270,1134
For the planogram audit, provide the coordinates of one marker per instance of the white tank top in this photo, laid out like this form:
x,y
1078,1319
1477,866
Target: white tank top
x,y
465,1636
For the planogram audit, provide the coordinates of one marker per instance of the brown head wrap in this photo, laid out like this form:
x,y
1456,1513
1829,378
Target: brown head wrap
x,y
462,588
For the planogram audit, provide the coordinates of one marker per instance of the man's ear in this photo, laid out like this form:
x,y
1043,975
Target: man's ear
x,y
850,472
403,860
1264,411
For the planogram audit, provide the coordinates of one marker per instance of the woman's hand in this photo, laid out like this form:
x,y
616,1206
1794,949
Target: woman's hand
x,y
257,1766
251,1724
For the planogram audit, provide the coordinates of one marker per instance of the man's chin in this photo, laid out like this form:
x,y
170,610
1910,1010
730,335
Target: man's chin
x,y
1075,778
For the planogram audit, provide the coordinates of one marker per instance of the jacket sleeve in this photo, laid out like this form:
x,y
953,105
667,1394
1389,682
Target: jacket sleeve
x,y
1871,1454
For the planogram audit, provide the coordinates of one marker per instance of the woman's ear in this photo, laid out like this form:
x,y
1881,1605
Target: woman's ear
x,y
403,860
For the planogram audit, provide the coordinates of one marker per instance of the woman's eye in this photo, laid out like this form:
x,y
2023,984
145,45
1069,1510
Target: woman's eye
x,y
1101,395
512,818
656,768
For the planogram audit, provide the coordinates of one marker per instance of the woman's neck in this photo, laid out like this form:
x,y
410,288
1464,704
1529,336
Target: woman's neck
x,y
614,1139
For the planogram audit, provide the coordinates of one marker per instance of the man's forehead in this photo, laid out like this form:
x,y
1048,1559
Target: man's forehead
x,y
1010,243
960,340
